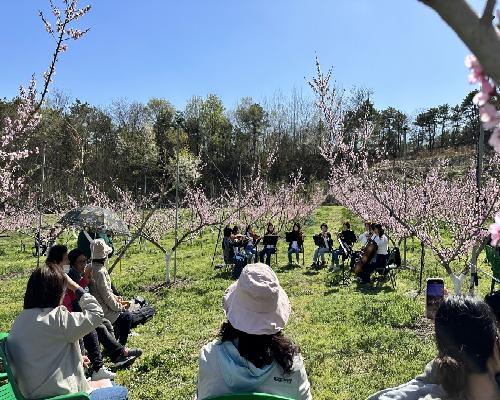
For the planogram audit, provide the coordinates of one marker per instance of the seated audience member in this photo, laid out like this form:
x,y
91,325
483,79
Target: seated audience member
x,y
325,246
122,357
296,243
348,239
468,360
269,249
115,309
42,346
252,354
230,256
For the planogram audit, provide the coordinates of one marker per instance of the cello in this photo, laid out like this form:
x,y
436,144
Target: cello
x,y
367,253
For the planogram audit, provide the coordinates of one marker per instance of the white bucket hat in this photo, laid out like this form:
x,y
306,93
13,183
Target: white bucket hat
x,y
100,249
256,303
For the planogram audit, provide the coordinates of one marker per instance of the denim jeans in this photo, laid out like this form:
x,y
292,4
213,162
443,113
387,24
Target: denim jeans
x,y
335,256
267,252
251,254
116,392
297,255
320,252
239,263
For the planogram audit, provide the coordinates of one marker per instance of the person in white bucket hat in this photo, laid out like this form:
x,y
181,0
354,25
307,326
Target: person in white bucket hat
x,y
115,309
252,354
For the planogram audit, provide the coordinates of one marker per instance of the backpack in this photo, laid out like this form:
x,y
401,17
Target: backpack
x,y
141,311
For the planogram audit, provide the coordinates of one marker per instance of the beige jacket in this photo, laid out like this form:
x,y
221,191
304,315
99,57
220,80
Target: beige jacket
x,y
100,287
43,349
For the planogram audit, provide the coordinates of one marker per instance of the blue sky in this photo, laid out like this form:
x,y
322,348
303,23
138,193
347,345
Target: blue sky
x,y
175,49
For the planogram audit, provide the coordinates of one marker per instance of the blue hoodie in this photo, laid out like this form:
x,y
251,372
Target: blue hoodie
x,y
222,370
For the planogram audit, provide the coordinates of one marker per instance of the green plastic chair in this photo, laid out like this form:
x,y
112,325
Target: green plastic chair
x,y
248,396
10,391
493,257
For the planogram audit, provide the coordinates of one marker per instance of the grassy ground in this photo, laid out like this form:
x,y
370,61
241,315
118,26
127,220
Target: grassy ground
x,y
355,341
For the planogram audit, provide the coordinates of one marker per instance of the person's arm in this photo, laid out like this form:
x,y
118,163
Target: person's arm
x,y
78,324
304,389
106,292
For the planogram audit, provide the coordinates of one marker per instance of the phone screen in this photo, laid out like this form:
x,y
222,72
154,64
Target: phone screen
x,y
434,296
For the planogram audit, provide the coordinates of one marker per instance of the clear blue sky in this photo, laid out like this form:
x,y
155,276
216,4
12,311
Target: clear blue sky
x,y
175,49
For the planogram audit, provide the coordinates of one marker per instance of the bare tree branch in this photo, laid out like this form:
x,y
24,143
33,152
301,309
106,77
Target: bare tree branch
x,y
482,39
488,16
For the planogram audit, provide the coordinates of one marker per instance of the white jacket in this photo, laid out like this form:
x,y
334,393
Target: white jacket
x,y
43,349
100,287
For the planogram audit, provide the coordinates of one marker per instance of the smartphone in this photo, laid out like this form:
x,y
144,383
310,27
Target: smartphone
x,y
434,296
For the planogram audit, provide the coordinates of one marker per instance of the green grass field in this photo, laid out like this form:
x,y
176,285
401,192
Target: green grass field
x,y
355,341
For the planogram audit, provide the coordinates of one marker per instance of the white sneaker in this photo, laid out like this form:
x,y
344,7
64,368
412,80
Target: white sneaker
x,y
103,373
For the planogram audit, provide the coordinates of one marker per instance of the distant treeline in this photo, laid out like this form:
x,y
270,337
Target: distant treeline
x,y
132,145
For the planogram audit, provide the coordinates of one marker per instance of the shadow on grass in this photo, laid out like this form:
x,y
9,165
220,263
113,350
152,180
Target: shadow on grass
x,y
369,289
311,272
288,267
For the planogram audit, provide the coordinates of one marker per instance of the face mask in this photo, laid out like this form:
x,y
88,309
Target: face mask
x,y
66,268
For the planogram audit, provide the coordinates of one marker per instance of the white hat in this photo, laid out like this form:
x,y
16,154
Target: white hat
x,y
100,249
256,303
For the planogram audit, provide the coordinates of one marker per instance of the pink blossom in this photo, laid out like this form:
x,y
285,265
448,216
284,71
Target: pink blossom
x,y
495,231
494,140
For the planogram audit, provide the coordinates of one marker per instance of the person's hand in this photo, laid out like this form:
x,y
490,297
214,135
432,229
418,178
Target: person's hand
x,y
85,361
125,304
72,285
88,272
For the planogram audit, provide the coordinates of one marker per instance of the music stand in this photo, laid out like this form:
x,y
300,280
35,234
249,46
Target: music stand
x,y
319,241
348,253
270,240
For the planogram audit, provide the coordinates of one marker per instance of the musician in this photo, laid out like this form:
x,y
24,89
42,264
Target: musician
x,y
229,243
363,238
346,239
268,250
380,258
383,246
239,239
367,234
251,246
296,243
325,246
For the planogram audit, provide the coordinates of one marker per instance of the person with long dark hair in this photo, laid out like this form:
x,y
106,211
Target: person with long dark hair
x,y
346,239
269,249
467,365
229,243
295,243
252,354
42,345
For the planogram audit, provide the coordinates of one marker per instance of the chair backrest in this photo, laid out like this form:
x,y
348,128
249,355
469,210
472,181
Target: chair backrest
x,y
394,257
10,376
248,396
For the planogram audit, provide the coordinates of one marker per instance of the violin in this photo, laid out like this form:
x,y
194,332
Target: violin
x,y
367,253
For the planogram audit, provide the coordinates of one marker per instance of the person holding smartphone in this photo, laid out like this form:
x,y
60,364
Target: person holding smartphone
x,y
467,365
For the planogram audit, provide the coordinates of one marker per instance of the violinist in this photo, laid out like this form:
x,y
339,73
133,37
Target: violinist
x,y
295,240
251,246
325,243
230,256
239,239
268,249
346,239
